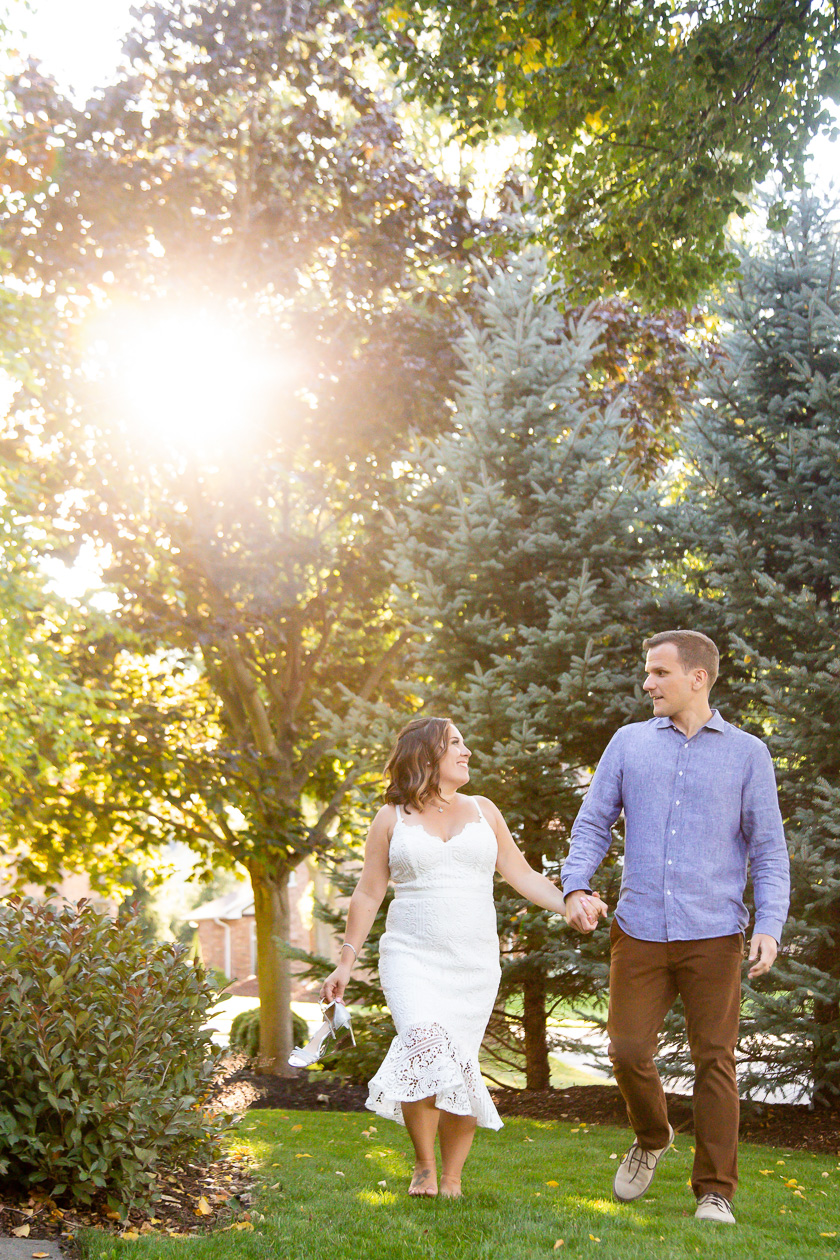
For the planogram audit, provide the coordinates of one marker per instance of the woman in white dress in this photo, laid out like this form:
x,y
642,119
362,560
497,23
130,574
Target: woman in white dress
x,y
439,954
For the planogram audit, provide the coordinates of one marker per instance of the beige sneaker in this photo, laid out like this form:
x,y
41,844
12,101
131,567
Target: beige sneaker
x,y
635,1172
714,1207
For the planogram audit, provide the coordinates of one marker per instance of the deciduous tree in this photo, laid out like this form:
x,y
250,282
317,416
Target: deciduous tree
x,y
652,121
239,177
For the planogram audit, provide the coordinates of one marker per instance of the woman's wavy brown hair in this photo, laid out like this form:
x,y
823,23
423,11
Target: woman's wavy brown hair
x,y
413,767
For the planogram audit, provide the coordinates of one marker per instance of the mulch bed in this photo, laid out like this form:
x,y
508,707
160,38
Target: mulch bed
x,y
196,1200
191,1201
776,1124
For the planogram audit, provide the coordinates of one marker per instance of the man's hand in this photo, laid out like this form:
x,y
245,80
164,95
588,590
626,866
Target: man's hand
x,y
583,910
763,950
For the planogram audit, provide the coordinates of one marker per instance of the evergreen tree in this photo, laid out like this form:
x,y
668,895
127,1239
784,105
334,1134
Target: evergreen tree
x,y
529,581
762,507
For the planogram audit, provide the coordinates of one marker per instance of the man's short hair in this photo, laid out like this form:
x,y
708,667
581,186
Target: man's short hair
x,y
695,650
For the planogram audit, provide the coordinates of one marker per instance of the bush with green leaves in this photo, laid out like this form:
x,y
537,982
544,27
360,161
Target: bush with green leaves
x,y
245,1031
104,1063
373,1027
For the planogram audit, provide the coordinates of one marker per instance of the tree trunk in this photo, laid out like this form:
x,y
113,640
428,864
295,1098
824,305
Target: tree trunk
x,y
825,1069
537,1069
272,912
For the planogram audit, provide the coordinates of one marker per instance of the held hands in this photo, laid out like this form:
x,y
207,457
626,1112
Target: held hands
x,y
763,950
583,910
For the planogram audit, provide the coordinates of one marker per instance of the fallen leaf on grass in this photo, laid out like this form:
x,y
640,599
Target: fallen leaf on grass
x,y
594,1239
552,1183
833,1234
203,1208
338,1174
236,1225
613,1156
302,1155
22,1231
560,1243
296,1128
130,1234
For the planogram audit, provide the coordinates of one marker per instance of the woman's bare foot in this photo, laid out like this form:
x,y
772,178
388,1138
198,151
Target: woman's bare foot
x,y
423,1182
450,1189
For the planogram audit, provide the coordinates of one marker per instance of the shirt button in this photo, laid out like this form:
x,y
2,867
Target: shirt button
x,y
681,774
673,832
668,890
669,861
676,802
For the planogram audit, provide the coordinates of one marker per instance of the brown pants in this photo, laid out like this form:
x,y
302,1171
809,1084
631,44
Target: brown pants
x,y
645,979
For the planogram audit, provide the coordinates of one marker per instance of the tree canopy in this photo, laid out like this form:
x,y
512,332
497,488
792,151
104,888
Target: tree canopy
x,y
652,121
49,715
251,286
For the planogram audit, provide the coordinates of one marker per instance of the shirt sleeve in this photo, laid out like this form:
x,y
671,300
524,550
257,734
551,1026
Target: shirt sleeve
x,y
592,829
761,826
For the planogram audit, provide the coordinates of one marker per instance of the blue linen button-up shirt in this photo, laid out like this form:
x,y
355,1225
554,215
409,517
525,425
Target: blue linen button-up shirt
x,y
696,811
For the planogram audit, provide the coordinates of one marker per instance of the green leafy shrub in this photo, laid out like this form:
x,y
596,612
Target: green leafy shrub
x,y
245,1031
218,978
104,1066
374,1031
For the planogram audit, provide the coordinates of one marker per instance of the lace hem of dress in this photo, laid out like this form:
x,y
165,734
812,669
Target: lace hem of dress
x,y
425,1062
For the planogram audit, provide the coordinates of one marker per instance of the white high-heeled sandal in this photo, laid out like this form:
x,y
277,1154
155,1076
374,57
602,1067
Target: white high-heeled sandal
x,y
336,1023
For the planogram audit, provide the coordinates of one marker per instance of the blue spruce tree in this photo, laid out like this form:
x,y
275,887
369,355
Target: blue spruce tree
x,y
762,506
526,571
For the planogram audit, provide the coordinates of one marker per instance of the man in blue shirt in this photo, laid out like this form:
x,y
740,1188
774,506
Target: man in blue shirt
x,y
699,800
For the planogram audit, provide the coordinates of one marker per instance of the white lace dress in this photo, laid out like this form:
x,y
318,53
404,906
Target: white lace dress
x,y
439,966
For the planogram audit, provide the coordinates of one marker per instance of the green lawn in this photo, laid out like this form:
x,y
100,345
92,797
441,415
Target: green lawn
x,y
333,1188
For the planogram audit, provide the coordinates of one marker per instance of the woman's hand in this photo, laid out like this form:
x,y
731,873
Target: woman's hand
x,y
336,982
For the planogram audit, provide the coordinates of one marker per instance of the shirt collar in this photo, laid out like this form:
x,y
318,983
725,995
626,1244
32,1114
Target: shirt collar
x,y
715,723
